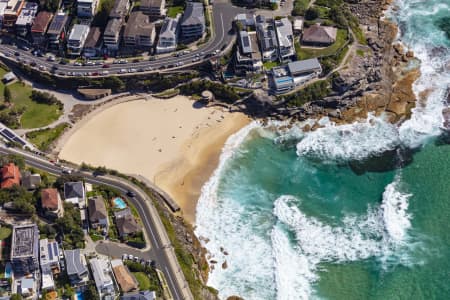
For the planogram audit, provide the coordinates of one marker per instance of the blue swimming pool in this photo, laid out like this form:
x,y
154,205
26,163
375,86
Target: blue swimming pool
x,y
79,295
119,203
8,270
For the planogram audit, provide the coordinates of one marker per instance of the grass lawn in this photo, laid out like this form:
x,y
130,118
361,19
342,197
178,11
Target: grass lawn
x,y
268,65
2,86
143,280
5,232
305,53
174,10
43,138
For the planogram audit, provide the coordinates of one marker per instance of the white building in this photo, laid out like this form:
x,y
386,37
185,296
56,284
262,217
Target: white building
x,y
86,8
101,270
168,36
285,36
267,38
49,256
248,56
77,38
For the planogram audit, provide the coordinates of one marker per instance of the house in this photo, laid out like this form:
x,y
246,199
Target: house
x,y
12,12
193,21
101,271
10,176
76,266
93,44
142,295
287,77
75,193
57,31
319,36
246,20
77,38
122,213
124,278
154,8
26,18
139,31
51,203
112,34
285,38
248,56
168,36
3,6
25,249
39,28
127,226
31,181
27,287
86,8
49,261
98,216
267,38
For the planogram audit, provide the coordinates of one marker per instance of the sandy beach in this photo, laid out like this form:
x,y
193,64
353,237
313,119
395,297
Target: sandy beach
x,y
170,142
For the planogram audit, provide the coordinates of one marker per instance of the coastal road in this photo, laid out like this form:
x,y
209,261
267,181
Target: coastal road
x,y
223,14
160,250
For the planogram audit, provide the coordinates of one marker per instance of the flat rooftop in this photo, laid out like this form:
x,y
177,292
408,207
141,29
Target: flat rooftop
x,y
24,241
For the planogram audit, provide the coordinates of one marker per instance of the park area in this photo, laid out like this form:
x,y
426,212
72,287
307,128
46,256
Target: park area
x,y
19,110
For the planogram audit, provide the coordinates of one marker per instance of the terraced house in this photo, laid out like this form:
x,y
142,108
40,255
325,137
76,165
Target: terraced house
x,y
139,31
26,18
168,36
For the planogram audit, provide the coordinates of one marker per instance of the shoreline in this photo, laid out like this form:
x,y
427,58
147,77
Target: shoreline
x,y
172,143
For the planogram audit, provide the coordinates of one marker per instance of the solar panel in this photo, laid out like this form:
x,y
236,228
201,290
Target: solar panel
x,y
50,252
246,41
55,247
8,134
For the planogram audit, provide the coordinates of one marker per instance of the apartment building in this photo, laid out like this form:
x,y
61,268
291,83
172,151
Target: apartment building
x,y
12,11
112,34
168,36
26,18
49,260
102,273
120,9
57,31
77,38
39,28
267,38
285,38
86,8
154,8
247,56
94,43
25,249
139,31
193,21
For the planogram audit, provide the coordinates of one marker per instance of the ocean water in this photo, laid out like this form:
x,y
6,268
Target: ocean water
x,y
358,211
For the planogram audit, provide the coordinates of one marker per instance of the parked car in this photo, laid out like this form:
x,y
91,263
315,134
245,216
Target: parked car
x,y
16,53
124,256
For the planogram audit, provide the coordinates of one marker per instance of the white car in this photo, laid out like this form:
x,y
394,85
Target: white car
x,y
105,72
123,71
77,63
51,58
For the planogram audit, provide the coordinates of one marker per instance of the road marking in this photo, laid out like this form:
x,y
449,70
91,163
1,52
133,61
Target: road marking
x,y
171,282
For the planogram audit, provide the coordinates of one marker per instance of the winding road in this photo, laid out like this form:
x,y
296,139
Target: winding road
x,y
160,249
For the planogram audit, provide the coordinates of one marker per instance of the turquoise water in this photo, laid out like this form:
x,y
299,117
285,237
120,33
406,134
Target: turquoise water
x,y
358,211
8,270
79,295
119,203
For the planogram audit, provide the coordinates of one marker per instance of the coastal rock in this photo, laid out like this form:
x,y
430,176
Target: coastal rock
x,y
212,261
224,265
235,298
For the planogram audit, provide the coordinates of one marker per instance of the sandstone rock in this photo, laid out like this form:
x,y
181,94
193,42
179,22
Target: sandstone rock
x,y
212,261
224,265
235,298
398,108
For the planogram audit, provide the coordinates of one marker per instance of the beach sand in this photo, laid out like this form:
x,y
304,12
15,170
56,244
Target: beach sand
x,y
170,142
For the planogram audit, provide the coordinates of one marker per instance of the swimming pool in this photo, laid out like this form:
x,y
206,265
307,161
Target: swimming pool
x,y
8,270
119,203
79,295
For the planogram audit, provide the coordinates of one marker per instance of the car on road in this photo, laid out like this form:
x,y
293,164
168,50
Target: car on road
x,y
77,63
132,70
51,58
105,72
195,59
123,71
66,170
131,194
105,66
123,61
17,53
25,48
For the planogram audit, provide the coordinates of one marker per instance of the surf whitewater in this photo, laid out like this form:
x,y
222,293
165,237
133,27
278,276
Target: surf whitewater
x,y
293,219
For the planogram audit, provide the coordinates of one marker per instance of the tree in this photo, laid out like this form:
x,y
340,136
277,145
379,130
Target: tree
x,y
91,291
16,297
311,13
7,94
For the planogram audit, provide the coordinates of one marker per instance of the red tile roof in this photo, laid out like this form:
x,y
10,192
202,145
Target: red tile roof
x,y
41,22
10,176
50,199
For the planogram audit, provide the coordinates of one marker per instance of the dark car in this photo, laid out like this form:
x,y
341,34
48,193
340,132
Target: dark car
x,y
131,194
16,53
105,66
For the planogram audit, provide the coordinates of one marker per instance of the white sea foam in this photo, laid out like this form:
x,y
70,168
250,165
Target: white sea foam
x,y
352,141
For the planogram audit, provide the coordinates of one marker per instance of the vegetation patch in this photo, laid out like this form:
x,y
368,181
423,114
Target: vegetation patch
x,y
43,138
174,10
268,65
5,232
300,7
146,277
312,92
